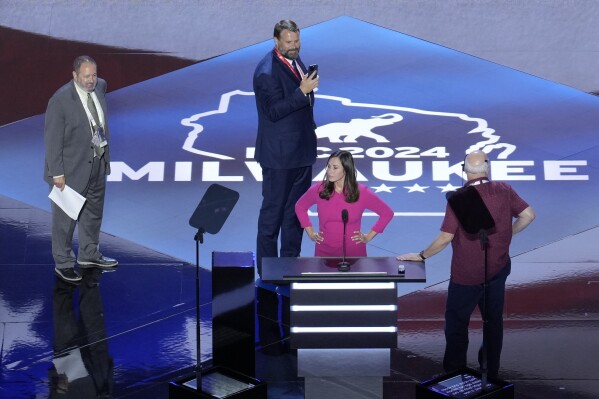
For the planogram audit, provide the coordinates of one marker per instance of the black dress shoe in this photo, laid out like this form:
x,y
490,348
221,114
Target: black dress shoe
x,y
102,262
69,275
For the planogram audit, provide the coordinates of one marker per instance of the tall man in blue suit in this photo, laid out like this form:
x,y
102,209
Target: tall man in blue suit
x,y
76,137
286,141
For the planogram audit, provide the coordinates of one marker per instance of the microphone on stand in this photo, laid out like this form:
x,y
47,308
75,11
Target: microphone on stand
x,y
475,218
343,266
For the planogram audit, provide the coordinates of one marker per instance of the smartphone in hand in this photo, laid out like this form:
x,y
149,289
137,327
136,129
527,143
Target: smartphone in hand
x,y
313,71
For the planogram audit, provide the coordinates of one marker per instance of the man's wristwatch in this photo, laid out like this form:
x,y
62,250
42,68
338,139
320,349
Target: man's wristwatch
x,y
421,254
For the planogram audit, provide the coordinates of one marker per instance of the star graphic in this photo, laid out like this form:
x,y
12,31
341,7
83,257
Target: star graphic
x,y
448,187
416,187
382,188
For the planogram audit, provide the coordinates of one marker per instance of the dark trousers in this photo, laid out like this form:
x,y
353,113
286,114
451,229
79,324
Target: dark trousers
x,y
281,188
461,301
89,222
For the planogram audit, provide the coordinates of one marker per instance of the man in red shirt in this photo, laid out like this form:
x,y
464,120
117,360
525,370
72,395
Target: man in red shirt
x,y
468,264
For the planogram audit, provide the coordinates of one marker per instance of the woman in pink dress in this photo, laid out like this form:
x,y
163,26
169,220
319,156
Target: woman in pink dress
x,y
338,192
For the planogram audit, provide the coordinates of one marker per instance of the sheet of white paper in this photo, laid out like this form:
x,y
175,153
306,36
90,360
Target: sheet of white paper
x,y
69,200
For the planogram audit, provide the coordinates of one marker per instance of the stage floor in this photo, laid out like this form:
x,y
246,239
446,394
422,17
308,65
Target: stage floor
x,y
148,320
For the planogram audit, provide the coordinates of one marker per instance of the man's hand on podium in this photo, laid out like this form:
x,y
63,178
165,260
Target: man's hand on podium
x,y
412,256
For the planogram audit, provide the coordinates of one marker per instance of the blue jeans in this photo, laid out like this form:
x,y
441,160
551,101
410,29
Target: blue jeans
x,y
461,301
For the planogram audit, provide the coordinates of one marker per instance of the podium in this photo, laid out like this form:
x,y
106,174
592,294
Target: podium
x,y
233,302
343,324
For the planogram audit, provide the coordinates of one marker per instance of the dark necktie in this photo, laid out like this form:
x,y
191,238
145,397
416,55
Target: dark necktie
x,y
294,65
92,110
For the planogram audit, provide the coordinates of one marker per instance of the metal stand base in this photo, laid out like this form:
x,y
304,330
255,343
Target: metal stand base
x,y
464,383
218,382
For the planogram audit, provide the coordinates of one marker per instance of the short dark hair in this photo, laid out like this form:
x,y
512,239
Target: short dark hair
x,y
285,24
81,60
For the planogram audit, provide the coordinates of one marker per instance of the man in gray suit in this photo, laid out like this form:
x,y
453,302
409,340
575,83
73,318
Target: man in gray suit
x,y
76,137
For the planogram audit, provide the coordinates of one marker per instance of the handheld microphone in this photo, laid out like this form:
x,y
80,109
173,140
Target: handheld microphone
x,y
343,266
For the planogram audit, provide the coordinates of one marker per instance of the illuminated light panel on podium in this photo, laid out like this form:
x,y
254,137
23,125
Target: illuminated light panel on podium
x,y
342,329
343,308
343,315
343,286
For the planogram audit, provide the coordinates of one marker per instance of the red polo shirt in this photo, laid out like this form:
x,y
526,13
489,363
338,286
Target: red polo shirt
x,y
468,260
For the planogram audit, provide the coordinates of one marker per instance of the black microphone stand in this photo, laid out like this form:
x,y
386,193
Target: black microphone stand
x,y
343,266
484,240
475,218
199,239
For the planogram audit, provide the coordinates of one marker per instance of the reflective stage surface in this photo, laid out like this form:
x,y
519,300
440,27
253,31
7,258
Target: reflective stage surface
x,y
127,333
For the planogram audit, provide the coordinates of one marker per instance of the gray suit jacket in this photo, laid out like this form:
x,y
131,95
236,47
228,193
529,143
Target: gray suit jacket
x,y
67,137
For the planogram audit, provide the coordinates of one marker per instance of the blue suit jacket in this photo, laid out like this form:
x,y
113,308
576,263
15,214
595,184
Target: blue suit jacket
x,y
286,130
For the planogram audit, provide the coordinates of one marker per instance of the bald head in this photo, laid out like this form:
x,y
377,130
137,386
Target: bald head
x,y
477,163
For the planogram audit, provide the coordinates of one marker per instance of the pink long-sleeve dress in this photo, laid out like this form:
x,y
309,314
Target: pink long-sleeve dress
x,y
331,223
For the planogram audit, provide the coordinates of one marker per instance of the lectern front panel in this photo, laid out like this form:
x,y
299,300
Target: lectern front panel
x,y
343,315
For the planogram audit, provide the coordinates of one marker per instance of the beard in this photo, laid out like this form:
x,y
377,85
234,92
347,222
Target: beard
x,y
290,54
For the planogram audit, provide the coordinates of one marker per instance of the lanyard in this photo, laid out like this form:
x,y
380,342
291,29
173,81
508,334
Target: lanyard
x,y
480,180
284,60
